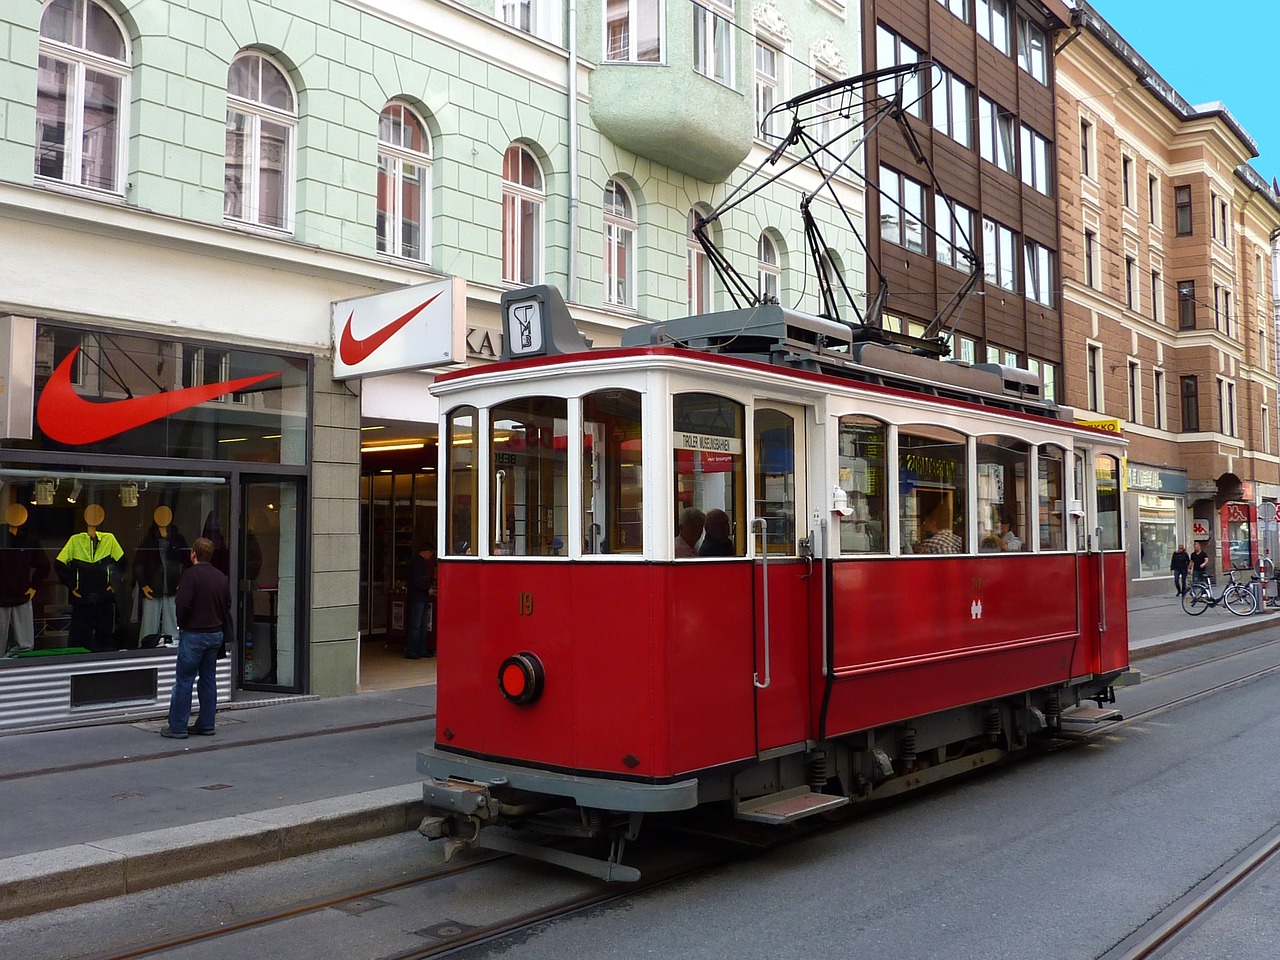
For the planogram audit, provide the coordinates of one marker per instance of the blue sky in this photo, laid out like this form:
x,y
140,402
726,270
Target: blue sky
x,y
1223,50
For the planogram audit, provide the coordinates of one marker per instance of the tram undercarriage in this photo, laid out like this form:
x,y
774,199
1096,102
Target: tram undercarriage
x,y
467,799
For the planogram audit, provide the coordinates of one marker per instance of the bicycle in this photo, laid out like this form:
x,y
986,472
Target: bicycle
x,y
1235,596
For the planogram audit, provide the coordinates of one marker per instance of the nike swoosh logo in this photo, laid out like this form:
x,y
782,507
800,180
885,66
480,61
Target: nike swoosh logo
x,y
353,351
69,418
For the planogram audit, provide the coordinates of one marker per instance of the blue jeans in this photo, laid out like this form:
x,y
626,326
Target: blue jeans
x,y
417,640
197,654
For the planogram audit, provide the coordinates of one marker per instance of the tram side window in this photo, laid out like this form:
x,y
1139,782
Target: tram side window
x,y
775,479
612,471
1077,474
710,469
1003,475
529,477
932,484
862,446
1051,504
461,448
1108,479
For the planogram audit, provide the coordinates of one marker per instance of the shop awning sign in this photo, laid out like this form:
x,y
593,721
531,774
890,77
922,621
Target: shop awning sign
x,y
407,329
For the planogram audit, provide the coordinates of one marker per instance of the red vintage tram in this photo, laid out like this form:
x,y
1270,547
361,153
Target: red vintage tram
x,y
924,574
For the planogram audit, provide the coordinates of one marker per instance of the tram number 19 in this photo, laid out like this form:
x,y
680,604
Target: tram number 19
x,y
526,604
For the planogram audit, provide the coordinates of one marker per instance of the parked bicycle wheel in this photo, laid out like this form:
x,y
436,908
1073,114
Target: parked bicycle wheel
x,y
1240,599
1197,599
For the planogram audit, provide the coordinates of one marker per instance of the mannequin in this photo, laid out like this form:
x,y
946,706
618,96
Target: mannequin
x,y
89,565
23,567
157,565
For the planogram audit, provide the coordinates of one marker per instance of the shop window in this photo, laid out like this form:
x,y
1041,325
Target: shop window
x,y
709,465
461,482
1051,499
863,445
528,477
933,490
612,473
1157,533
82,89
1002,494
1107,472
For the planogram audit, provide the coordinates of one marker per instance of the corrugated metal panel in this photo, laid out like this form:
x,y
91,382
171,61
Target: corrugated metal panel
x,y
37,691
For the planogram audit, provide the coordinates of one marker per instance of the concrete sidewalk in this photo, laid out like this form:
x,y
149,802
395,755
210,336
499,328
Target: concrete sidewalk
x,y
100,811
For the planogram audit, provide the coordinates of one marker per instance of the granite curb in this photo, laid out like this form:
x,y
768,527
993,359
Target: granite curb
x,y
66,876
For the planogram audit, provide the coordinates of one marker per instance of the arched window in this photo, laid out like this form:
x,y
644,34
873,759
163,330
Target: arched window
x,y
699,270
262,118
768,271
619,245
81,93
404,184
523,199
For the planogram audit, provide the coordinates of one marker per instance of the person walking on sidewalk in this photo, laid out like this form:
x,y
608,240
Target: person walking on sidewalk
x,y
1199,565
1180,563
204,622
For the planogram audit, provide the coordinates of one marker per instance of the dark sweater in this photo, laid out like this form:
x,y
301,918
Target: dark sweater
x,y
204,600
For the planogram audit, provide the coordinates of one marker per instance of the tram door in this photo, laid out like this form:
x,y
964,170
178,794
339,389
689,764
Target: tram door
x,y
780,541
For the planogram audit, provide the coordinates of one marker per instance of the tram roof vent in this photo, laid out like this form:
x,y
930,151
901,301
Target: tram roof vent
x,y
765,328
1015,381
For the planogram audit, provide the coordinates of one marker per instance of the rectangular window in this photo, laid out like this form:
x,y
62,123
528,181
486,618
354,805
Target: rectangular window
x,y
893,51
998,259
966,349
767,59
519,14
1038,273
1232,425
1224,222
1226,313
1190,405
953,230
902,214
1182,210
1049,373
1035,161
1157,297
1090,259
1223,423
1186,304
633,31
1266,431
1093,386
713,43
992,20
959,7
1213,215
1130,283
995,134
1153,199
1086,148
1157,398
1033,50
952,106
1135,395
1262,347
1126,181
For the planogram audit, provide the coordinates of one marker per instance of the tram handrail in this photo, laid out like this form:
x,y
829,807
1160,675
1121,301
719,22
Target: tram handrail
x,y
764,581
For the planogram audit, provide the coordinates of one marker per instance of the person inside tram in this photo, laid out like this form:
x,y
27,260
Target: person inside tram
x,y
937,535
692,522
718,541
1008,539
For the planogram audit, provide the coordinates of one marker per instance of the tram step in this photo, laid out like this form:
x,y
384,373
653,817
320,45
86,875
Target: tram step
x,y
1092,715
788,806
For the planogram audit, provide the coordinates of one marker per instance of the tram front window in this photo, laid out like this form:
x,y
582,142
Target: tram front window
x,y
1052,519
709,463
612,468
529,477
1107,472
461,449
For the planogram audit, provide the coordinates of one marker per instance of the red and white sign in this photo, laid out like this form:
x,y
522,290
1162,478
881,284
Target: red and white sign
x,y
1199,530
405,329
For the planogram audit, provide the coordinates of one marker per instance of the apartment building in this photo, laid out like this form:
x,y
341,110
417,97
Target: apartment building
x,y
985,119
200,202
1167,302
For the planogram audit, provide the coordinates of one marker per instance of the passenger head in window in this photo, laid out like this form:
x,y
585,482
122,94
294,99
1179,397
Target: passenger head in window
x,y
692,521
1008,539
719,539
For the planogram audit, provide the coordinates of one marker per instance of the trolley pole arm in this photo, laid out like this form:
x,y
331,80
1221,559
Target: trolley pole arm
x,y
763,525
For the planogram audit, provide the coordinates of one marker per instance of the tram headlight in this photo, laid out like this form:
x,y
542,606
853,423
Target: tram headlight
x,y
521,678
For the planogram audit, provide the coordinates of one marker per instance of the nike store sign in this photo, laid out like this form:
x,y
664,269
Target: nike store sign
x,y
406,329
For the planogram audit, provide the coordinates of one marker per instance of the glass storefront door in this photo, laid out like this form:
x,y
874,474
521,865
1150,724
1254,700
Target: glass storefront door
x,y
269,588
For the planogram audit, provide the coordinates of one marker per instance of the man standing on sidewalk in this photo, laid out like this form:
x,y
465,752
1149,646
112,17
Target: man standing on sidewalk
x,y
1199,565
204,621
